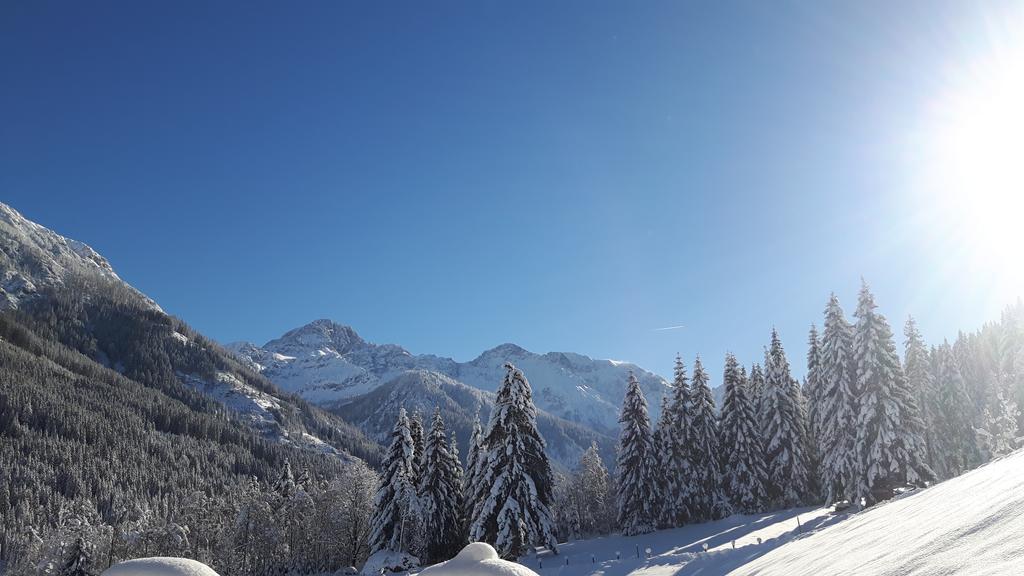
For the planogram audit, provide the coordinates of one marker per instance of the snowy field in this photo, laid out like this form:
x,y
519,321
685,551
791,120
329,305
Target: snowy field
x,y
973,524
681,550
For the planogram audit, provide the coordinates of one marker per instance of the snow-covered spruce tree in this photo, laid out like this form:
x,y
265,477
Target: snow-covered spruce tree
x,y
457,475
954,429
743,471
674,451
440,495
812,384
886,447
661,438
921,385
515,477
785,460
637,498
707,502
593,493
755,392
475,455
416,431
997,435
837,410
397,492
79,559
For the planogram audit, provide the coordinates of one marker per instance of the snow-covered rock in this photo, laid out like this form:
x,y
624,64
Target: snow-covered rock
x,y
330,364
478,559
34,258
159,566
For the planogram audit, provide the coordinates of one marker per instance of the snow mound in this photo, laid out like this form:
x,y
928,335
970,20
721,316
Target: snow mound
x,y
159,567
972,524
478,559
389,561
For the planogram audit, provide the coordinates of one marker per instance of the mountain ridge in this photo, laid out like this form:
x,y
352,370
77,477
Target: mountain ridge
x,y
328,363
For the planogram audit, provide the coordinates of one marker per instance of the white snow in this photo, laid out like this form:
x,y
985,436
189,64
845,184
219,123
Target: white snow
x,y
478,559
180,337
972,524
387,561
159,566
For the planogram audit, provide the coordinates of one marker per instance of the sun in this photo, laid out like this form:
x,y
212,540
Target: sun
x,y
976,162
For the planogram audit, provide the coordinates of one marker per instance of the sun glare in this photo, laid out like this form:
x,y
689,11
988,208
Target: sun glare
x,y
976,167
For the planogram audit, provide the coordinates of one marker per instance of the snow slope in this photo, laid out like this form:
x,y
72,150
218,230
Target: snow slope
x,y
680,551
330,364
972,524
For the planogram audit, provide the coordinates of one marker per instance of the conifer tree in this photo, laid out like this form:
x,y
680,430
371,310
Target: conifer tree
x,y
837,407
595,494
516,477
954,430
664,483
812,384
707,501
397,492
475,457
79,560
921,385
755,391
785,458
636,487
440,495
417,433
675,463
743,468
886,447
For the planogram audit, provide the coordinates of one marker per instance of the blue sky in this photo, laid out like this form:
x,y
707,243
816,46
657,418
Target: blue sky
x,y
453,175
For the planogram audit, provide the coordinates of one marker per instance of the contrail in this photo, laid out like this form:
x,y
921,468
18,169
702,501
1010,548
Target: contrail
x,y
669,328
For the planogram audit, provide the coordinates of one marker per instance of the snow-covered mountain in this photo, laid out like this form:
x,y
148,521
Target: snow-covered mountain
x,y
34,258
423,390
330,364
58,283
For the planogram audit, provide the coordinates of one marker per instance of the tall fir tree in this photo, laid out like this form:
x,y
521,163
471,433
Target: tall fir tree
x,y
956,451
707,500
887,449
743,470
812,384
417,432
79,559
664,483
440,495
676,463
921,385
785,457
837,408
475,457
638,508
516,478
594,493
397,493
755,391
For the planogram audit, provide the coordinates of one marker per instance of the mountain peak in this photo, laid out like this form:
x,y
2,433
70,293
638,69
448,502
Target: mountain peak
x,y
318,335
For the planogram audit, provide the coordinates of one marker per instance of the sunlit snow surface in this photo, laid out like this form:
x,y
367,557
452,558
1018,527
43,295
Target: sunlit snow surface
x,y
973,524
159,567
